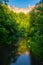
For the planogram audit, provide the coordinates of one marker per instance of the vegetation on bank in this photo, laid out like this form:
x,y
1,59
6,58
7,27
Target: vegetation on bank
x,y
28,27
36,31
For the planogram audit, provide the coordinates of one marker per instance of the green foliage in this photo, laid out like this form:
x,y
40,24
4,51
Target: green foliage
x,y
14,26
8,26
36,31
23,24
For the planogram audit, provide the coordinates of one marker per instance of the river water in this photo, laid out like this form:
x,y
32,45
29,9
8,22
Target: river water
x,y
23,59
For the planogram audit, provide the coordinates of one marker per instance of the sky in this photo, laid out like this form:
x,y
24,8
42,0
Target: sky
x,y
22,3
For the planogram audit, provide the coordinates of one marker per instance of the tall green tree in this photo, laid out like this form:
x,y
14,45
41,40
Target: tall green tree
x,y
36,31
8,26
8,34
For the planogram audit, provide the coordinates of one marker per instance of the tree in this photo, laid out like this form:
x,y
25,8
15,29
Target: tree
x,y
41,1
8,34
36,31
23,24
8,26
4,1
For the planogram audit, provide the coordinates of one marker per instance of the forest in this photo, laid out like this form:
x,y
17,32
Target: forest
x,y
20,32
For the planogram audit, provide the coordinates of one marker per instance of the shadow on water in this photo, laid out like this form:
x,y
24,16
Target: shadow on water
x,y
23,59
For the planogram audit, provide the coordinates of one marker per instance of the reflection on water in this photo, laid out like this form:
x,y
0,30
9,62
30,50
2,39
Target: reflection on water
x,y
22,60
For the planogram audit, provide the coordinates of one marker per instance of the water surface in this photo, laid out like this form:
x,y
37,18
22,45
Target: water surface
x,y
23,60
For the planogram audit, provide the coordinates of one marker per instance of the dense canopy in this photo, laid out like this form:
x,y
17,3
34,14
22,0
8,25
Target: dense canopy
x,y
25,27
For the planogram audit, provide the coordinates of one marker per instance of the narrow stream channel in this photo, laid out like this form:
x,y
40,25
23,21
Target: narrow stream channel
x,y
23,59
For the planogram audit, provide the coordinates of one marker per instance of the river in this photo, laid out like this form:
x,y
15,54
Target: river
x,y
23,59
